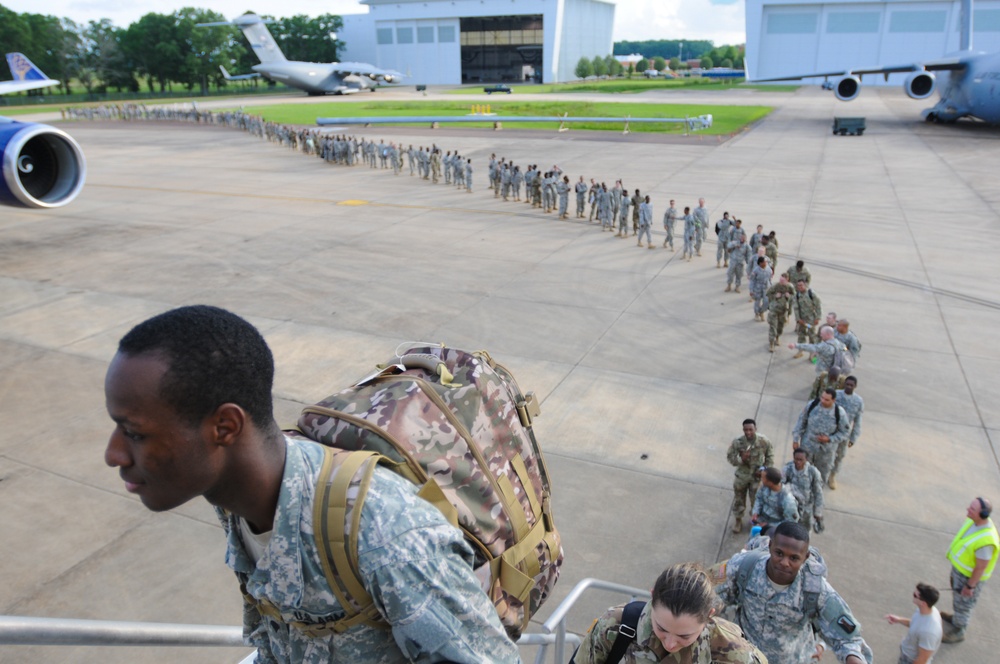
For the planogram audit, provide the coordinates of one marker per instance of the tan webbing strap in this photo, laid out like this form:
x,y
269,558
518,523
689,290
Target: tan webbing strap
x,y
433,494
513,581
522,474
334,518
512,507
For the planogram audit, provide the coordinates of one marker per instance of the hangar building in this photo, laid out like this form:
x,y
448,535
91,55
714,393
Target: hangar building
x,y
792,37
474,41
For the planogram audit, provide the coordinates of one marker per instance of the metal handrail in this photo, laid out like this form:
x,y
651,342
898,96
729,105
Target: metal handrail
x,y
22,630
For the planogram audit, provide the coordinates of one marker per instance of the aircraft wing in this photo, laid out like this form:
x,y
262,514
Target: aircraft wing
x,y
945,64
363,69
8,87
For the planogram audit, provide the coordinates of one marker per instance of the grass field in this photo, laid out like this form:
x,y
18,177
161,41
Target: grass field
x,y
628,86
727,119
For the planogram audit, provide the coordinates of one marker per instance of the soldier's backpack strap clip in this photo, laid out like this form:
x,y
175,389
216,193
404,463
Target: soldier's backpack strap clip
x,y
627,629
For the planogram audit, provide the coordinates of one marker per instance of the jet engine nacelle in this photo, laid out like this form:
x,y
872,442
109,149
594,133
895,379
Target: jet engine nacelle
x,y
40,166
920,85
847,88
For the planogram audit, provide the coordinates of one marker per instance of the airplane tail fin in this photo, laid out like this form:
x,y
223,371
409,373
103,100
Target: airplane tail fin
x,y
23,69
229,77
261,41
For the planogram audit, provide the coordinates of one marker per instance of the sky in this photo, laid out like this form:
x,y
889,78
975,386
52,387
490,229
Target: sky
x,y
721,21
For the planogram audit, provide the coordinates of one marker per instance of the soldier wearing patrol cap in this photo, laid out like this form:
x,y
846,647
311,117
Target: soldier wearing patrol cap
x,y
783,600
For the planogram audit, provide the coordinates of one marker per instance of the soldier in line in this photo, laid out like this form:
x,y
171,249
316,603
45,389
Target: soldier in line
x,y
825,351
821,427
757,238
516,179
722,227
581,197
749,453
435,160
799,272
739,254
771,251
604,208
505,182
645,222
690,234
758,283
779,303
616,201
806,485
669,220
854,406
827,379
774,503
468,176
623,217
636,202
677,625
562,190
701,214
807,308
787,576
592,197
848,338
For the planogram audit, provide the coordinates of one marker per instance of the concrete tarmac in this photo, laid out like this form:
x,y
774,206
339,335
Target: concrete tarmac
x,y
644,366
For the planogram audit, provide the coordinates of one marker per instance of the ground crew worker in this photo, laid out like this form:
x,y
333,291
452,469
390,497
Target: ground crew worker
x,y
749,453
973,555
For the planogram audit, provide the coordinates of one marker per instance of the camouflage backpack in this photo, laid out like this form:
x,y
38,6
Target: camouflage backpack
x,y
456,424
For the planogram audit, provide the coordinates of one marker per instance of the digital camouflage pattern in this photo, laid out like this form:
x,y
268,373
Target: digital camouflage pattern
x,y
806,486
721,642
777,619
779,300
816,422
468,428
410,558
774,507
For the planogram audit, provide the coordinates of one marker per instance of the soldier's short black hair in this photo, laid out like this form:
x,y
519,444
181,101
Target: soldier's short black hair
x,y
800,450
832,392
854,378
928,594
791,529
749,420
773,475
214,357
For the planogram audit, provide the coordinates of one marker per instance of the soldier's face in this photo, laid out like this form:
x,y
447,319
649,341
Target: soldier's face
x,y
787,556
800,461
849,386
675,632
749,431
162,459
826,400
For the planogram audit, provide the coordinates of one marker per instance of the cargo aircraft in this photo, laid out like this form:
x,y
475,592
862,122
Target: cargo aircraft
x,y
315,78
40,166
968,83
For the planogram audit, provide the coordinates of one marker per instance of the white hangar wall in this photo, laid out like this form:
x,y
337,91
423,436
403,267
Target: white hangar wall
x,y
792,37
497,39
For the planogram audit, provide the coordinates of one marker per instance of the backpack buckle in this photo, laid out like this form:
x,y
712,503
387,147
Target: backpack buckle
x,y
626,631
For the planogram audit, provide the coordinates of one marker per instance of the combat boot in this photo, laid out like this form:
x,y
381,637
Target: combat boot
x,y
946,616
770,348
729,287
718,264
738,525
737,289
832,481
798,355
953,635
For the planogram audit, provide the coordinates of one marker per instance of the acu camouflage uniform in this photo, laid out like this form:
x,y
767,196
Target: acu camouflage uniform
x,y
774,507
823,382
821,421
747,476
854,406
721,642
416,566
780,621
779,303
807,487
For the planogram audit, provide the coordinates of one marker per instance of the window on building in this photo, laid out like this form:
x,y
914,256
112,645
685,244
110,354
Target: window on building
x,y
917,21
425,35
986,20
404,35
383,35
446,34
852,22
792,24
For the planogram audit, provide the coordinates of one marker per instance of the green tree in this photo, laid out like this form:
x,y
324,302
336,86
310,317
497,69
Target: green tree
x,y
100,61
204,49
584,68
631,69
600,67
153,46
614,67
308,39
727,63
659,64
675,63
642,65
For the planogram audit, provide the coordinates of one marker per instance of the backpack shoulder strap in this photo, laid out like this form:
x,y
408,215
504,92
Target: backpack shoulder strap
x,y
626,631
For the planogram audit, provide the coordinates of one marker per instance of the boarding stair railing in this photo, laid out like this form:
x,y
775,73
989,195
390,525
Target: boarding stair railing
x,y
33,631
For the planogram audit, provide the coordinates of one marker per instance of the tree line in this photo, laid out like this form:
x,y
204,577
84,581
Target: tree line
x,y
672,50
159,49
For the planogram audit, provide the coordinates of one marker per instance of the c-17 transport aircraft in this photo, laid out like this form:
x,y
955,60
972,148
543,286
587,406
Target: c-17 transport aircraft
x,y
316,78
967,82
40,166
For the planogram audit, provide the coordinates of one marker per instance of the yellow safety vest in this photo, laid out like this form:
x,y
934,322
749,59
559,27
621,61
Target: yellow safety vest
x,y
962,552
